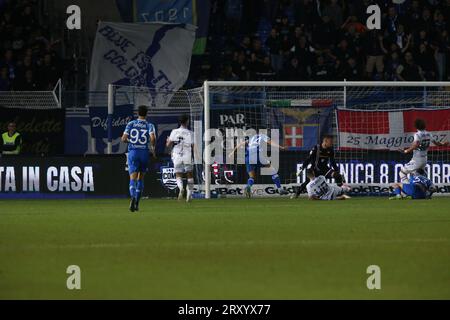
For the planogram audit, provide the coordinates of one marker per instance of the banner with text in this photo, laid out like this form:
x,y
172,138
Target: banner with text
x,y
153,55
99,120
389,130
42,130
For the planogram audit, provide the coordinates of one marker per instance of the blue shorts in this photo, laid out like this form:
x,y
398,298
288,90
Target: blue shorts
x,y
413,191
138,161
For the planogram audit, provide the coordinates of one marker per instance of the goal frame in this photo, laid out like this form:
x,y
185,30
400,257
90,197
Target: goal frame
x,y
344,84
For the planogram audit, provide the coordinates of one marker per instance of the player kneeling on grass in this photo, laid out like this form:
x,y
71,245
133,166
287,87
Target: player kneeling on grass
x,y
254,161
138,134
319,189
419,187
321,160
181,141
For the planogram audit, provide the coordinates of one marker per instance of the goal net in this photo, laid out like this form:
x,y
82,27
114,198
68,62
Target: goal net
x,y
35,100
371,123
165,108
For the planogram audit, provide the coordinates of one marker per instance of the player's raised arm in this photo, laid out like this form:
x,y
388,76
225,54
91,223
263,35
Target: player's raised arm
x,y
276,145
441,144
238,146
413,147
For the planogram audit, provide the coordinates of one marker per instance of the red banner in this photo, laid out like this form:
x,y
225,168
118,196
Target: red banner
x,y
389,130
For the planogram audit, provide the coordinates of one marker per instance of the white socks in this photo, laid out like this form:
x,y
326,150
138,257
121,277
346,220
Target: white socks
x,y
190,188
190,184
180,183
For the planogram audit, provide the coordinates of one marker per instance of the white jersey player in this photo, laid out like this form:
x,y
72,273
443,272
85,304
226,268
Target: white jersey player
x,y
419,148
182,142
319,189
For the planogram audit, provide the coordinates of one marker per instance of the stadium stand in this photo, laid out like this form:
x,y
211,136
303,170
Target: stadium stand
x,y
253,40
30,58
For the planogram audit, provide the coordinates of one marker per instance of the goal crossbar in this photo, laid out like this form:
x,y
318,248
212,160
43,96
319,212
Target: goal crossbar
x,y
326,84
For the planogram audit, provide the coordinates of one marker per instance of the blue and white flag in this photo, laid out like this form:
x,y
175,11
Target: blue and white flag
x,y
154,55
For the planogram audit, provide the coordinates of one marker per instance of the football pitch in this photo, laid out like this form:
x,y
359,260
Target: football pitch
x,y
225,249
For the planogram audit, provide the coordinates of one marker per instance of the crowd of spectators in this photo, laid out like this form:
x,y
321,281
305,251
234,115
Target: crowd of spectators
x,y
323,40
319,40
28,59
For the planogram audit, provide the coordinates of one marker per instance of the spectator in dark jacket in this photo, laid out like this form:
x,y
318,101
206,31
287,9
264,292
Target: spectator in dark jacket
x,y
409,71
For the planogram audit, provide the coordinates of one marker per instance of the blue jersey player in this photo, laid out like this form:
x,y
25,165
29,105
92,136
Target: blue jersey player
x,y
419,187
140,136
254,161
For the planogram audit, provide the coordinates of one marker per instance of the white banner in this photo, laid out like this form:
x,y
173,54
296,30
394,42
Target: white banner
x,y
155,55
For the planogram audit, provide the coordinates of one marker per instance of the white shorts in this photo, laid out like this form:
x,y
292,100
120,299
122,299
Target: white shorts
x,y
182,165
414,165
334,192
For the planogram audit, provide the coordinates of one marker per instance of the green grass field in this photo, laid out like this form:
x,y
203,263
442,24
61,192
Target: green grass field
x,y
225,249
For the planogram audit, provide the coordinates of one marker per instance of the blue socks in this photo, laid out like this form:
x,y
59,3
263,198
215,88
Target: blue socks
x,y
276,180
133,188
139,189
250,182
398,191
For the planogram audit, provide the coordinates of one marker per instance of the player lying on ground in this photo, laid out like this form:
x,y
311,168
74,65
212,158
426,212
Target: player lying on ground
x,y
322,162
419,148
419,187
140,136
181,141
253,161
319,189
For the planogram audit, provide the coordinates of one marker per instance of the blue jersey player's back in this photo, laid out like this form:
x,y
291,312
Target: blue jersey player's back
x,y
424,181
139,132
420,187
256,142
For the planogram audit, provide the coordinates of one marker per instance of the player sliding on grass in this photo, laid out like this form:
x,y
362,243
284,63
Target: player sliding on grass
x,y
182,141
319,189
140,135
419,187
322,162
253,161
419,148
